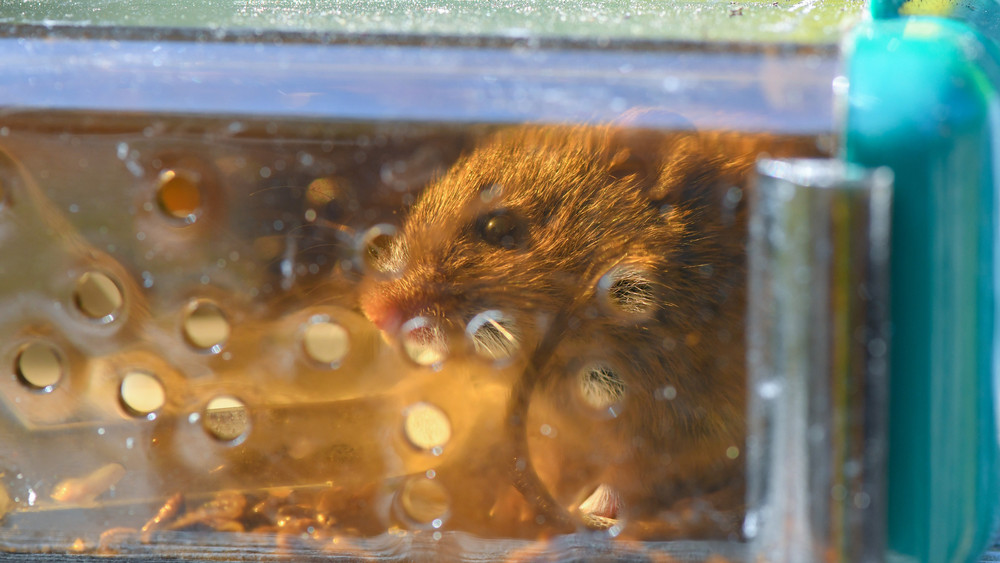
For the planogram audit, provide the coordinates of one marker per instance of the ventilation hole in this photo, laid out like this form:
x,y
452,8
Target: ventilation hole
x,y
423,502
39,366
98,297
426,427
602,501
205,326
380,252
141,393
322,191
600,386
602,509
424,342
178,195
227,419
628,290
325,342
494,335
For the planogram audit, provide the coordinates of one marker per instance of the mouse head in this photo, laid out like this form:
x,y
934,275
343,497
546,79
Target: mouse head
x,y
529,220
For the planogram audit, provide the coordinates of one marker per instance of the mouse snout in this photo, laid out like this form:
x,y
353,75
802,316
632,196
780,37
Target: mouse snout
x,y
382,312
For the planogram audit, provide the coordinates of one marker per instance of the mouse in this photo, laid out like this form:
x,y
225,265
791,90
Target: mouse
x,y
609,261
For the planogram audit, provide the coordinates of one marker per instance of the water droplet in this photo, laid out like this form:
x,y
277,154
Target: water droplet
x,y
769,389
668,392
862,500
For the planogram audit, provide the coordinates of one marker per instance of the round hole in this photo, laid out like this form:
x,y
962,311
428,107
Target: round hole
x,y
602,509
323,190
325,342
494,335
205,326
628,290
39,366
141,393
601,387
423,501
178,195
426,427
423,341
98,297
227,419
380,251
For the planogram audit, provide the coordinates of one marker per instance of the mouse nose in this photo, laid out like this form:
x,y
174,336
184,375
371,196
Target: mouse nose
x,y
382,313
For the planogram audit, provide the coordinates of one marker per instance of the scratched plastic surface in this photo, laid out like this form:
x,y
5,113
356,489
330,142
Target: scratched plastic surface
x,y
187,365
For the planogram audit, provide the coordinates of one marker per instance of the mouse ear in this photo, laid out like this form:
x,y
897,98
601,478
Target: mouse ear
x,y
636,153
661,163
652,144
687,164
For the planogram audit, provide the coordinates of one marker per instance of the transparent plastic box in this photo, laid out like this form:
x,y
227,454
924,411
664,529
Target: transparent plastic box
x,y
311,282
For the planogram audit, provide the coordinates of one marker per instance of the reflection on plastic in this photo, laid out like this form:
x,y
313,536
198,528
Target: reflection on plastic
x,y
818,282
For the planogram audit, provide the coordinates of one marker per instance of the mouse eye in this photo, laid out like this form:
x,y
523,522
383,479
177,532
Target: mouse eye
x,y
501,228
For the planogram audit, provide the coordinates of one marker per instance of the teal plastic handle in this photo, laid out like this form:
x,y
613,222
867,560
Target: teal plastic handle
x,y
923,101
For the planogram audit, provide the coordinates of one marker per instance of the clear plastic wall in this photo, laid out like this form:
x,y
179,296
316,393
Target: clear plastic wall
x,y
409,299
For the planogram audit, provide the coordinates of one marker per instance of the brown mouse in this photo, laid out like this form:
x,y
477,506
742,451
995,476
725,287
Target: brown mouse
x,y
612,263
